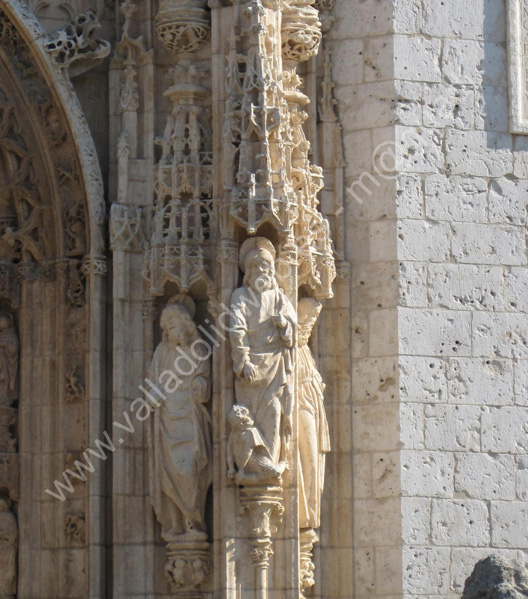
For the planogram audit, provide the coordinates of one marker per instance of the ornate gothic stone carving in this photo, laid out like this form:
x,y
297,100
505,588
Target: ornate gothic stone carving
x,y
8,550
78,45
75,528
75,390
184,182
248,456
183,25
21,211
262,337
126,228
301,30
180,444
188,567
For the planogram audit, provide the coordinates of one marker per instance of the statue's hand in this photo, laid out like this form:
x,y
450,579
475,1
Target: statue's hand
x,y
249,372
199,390
231,473
279,321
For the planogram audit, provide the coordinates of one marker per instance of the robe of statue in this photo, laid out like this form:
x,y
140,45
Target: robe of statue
x,y
181,452
257,339
8,550
314,437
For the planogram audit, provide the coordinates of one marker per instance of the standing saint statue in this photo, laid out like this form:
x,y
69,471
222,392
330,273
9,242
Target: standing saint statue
x,y
8,550
9,347
314,438
180,444
262,335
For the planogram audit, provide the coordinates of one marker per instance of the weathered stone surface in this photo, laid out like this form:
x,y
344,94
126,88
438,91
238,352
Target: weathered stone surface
x,y
496,578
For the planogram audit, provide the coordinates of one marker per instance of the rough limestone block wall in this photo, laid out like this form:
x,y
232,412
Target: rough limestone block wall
x,y
361,40
462,324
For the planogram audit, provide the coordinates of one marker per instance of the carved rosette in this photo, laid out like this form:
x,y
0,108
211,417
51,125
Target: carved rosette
x,y
188,568
183,25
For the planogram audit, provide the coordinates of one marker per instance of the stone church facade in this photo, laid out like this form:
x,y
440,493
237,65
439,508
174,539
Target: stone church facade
x,y
263,297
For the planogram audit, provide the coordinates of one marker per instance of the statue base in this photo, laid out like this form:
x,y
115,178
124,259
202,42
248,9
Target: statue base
x,y
264,506
308,538
189,565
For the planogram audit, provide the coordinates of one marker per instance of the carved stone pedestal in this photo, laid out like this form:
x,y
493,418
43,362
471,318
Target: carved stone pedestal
x,y
189,564
264,508
308,538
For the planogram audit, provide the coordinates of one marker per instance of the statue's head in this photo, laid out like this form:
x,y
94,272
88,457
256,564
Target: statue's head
x,y
177,325
240,417
308,311
257,261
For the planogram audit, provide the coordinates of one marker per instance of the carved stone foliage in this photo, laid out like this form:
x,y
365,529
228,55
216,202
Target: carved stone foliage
x,y
8,549
76,47
183,25
75,528
75,389
184,186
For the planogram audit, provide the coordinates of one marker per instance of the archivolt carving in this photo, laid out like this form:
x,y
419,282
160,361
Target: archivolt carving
x,y
21,211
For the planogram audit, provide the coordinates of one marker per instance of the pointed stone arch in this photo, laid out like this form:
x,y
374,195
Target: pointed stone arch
x,y
52,266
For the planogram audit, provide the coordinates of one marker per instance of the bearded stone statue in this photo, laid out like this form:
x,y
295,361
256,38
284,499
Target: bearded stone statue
x,y
262,338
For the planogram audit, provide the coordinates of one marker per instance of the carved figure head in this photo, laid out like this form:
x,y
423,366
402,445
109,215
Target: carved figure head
x,y
240,417
260,271
308,312
177,325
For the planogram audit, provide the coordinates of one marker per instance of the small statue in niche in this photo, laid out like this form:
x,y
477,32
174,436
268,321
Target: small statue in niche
x,y
247,451
314,438
9,347
180,443
262,337
8,550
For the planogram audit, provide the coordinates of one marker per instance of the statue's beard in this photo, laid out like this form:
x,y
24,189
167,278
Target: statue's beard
x,y
261,282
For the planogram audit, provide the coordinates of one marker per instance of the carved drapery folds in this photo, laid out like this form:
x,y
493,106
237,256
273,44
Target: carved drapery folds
x,y
181,449
235,182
